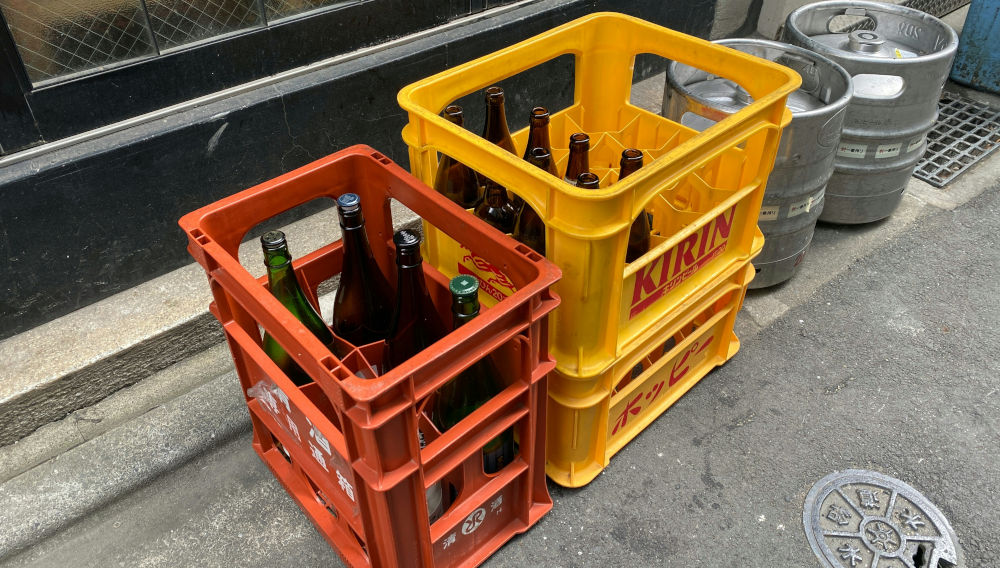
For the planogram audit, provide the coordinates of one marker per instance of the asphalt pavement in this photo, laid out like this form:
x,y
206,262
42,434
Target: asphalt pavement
x,y
881,354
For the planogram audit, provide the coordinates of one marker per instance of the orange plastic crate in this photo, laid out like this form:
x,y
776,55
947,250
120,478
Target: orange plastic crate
x,y
346,448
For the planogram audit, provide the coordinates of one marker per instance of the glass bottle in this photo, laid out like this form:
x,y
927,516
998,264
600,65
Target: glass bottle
x,y
415,323
495,129
474,386
579,145
361,308
638,234
538,137
496,208
529,227
284,285
588,180
453,179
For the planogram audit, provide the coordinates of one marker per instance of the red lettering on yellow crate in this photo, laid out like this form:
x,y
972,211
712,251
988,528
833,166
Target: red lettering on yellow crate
x,y
676,265
491,279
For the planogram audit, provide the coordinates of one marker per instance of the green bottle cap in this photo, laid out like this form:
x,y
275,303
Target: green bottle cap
x,y
464,285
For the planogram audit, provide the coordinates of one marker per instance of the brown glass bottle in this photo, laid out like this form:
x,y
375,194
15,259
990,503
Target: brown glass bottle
x,y
496,208
538,137
638,234
474,386
588,180
579,146
529,227
495,129
284,285
415,322
453,179
362,307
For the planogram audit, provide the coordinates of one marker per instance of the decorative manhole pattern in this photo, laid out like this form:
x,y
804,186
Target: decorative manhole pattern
x,y
863,519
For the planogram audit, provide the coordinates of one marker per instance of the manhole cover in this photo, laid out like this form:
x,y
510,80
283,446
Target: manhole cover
x,y
857,518
966,131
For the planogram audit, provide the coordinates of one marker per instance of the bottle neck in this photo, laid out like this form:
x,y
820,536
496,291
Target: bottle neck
x,y
538,136
463,310
281,280
629,165
495,195
496,130
578,162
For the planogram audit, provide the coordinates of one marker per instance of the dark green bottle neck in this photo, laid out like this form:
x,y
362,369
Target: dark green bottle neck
x,y
355,239
410,273
281,278
463,310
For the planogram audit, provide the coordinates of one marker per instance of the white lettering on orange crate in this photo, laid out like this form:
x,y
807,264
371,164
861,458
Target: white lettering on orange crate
x,y
318,455
676,265
345,485
473,521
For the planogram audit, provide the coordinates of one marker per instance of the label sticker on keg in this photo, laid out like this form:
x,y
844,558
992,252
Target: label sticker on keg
x,y
768,213
857,151
915,144
887,150
806,205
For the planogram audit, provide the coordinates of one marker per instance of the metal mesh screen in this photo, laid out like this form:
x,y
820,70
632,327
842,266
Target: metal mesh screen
x,y
58,38
283,8
966,132
177,22
62,37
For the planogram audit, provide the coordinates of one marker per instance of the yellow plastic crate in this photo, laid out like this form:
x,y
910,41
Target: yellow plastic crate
x,y
703,189
591,418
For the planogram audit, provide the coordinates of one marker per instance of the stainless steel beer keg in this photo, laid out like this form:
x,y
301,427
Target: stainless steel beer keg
x,y
899,59
793,198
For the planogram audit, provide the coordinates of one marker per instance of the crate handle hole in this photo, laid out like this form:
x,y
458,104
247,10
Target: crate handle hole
x,y
200,237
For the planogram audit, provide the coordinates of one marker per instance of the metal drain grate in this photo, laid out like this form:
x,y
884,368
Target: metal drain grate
x,y
966,132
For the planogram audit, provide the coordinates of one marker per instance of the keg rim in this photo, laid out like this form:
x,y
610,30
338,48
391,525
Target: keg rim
x,y
834,105
793,33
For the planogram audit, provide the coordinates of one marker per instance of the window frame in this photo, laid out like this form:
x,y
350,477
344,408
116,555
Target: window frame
x,y
30,114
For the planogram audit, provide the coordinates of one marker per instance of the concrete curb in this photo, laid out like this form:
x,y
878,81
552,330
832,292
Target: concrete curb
x,y
95,473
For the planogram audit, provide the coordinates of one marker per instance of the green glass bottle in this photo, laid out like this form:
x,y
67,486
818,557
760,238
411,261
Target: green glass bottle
x,y
638,234
496,208
474,386
453,179
362,308
415,322
284,285
529,227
